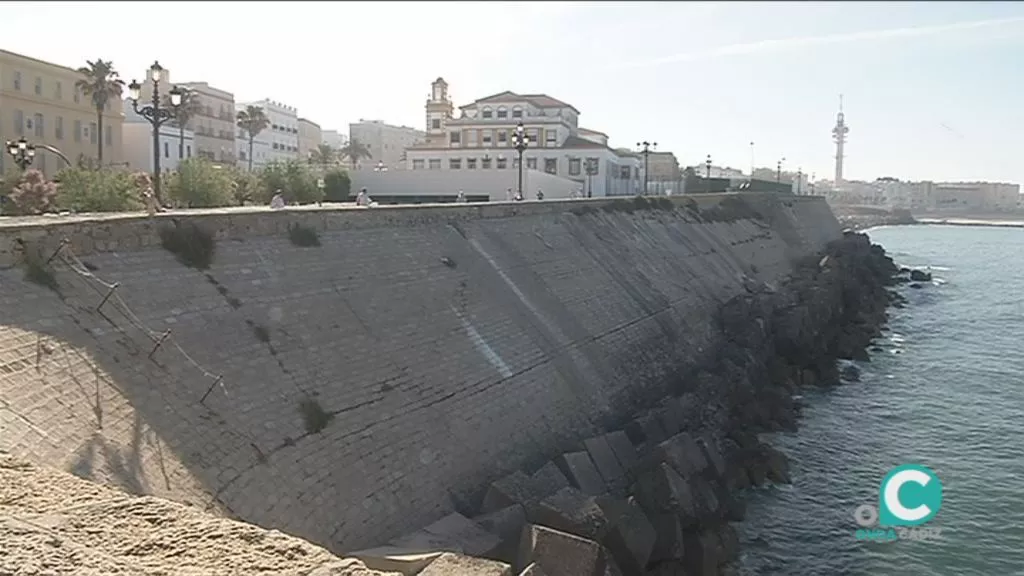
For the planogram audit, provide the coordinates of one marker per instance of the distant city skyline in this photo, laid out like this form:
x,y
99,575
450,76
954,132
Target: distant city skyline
x,y
930,89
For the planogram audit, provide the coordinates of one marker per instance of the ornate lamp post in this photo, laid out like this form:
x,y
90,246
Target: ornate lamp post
x,y
799,177
22,152
645,149
778,171
520,143
707,172
156,116
591,166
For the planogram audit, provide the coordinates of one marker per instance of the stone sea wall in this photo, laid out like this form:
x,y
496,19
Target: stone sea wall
x,y
348,376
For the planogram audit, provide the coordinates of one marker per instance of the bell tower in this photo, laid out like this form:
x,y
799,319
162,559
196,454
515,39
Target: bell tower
x,y
439,110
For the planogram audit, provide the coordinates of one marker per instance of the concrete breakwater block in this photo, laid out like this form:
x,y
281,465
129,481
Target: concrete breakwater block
x,y
604,459
630,538
624,451
661,489
449,564
394,559
682,453
669,544
704,553
505,523
519,488
560,553
453,533
533,570
646,430
579,469
570,510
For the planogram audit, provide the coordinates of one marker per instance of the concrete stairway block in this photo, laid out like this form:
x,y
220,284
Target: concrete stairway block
x,y
579,469
560,553
449,564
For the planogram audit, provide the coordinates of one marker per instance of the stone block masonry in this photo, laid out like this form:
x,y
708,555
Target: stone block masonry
x,y
447,346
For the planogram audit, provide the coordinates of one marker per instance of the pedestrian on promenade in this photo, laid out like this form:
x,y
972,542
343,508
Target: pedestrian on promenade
x,y
277,202
540,194
461,197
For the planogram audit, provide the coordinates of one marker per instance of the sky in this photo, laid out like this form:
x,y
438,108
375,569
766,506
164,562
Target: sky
x,y
930,90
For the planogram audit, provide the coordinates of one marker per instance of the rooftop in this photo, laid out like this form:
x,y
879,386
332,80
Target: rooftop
x,y
539,100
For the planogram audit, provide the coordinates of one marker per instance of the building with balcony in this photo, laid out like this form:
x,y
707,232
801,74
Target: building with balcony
x,y
386,143
279,142
39,102
310,137
214,127
480,138
174,144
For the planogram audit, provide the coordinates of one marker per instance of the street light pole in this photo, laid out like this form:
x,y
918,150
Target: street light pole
x,y
22,152
799,177
591,166
156,116
778,171
645,149
707,174
520,142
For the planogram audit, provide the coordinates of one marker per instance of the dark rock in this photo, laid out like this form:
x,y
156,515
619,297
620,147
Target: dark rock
x,y
624,451
673,419
703,553
579,469
631,537
572,511
560,553
776,465
712,454
668,544
730,542
661,489
920,276
605,461
850,373
916,286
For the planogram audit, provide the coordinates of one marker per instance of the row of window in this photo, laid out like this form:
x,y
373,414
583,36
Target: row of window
x,y
167,151
58,88
501,137
287,129
501,163
36,126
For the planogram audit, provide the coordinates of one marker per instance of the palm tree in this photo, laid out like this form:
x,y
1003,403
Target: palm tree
x,y
253,120
190,107
323,155
100,84
354,151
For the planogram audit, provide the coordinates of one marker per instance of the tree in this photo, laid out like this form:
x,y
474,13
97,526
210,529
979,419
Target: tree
x,y
199,184
99,190
191,106
100,84
354,151
323,155
337,186
294,181
253,120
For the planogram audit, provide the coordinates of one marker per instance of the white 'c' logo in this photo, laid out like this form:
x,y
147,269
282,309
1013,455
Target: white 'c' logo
x,y
892,495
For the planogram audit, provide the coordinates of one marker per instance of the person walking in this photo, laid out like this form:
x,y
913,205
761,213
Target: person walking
x,y
461,197
540,194
277,202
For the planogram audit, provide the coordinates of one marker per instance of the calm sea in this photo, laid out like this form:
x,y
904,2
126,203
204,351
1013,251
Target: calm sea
x,y
947,392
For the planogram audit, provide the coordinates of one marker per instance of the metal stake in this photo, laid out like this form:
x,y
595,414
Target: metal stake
x,y
63,242
159,342
210,389
109,294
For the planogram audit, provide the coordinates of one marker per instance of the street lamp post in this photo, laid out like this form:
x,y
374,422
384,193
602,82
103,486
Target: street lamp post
x,y
380,167
591,164
520,143
22,152
645,149
156,116
707,172
799,177
778,171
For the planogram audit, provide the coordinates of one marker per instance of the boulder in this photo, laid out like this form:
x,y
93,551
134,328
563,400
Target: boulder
x,y
668,544
579,469
449,564
682,453
920,276
776,465
730,542
560,553
570,510
703,553
705,500
631,536
661,489
607,464
850,373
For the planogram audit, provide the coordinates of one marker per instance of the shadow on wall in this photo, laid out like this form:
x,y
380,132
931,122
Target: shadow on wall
x,y
349,389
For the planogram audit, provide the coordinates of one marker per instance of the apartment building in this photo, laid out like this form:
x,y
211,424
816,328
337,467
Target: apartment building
x,y
334,139
310,137
214,126
481,139
386,143
39,102
279,142
137,133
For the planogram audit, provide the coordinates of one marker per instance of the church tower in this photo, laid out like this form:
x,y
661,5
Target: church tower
x,y
439,112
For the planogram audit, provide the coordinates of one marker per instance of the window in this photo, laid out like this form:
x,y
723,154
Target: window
x,y
58,130
470,163
39,125
434,164
417,164
517,112
39,86
533,135
485,163
551,165
502,163
109,136
502,137
92,133
455,163
275,145
487,137
167,150
471,138
502,112
486,113
435,124
17,80
58,91
78,130
574,167
274,127
624,172
552,138
455,137
531,163
19,123
592,165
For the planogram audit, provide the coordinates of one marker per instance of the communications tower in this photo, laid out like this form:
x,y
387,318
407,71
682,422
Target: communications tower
x,y
839,133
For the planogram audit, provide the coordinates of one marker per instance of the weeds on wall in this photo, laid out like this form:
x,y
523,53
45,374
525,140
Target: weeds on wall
x,y
260,331
303,236
314,416
37,271
191,244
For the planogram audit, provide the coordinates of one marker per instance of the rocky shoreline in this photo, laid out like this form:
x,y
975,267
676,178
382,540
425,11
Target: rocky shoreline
x,y
658,497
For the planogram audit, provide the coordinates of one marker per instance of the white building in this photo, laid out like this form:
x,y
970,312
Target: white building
x,y
481,139
385,142
279,142
334,139
137,136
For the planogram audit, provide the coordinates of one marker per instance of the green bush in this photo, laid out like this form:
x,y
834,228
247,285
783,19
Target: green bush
x,y
198,183
337,186
296,183
246,188
104,190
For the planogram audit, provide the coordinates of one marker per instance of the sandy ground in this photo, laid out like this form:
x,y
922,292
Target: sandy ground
x,y
54,523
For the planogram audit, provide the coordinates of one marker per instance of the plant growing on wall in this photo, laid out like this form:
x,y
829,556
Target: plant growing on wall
x,y
303,236
253,120
191,244
101,85
33,194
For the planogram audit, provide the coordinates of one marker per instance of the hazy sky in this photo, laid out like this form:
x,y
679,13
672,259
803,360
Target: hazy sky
x,y
931,90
